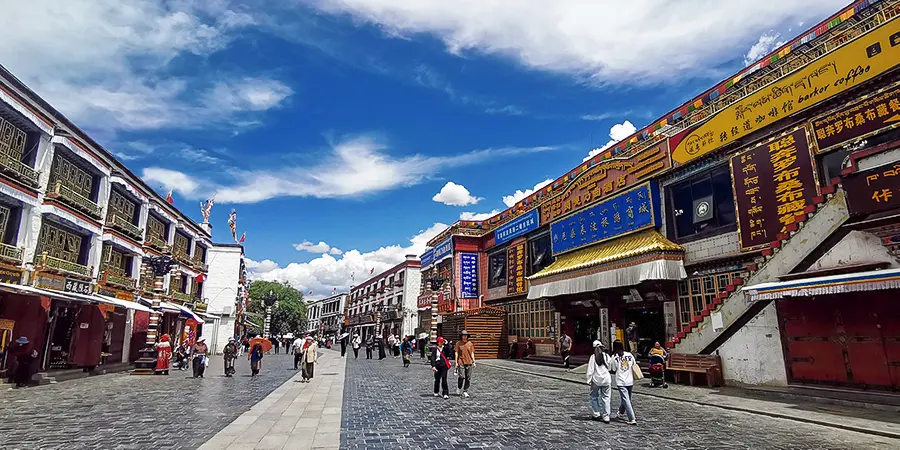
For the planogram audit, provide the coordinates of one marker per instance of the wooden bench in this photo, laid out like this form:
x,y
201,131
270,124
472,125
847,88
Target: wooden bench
x,y
708,365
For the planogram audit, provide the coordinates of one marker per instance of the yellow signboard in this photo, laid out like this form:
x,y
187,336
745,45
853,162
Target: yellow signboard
x,y
847,67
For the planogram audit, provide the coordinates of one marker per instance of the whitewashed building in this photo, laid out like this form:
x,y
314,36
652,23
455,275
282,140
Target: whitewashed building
x,y
387,300
224,289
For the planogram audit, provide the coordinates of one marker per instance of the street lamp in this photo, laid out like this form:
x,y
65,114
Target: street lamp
x,y
158,267
435,283
269,300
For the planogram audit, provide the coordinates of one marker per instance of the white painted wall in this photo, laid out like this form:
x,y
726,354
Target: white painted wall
x,y
412,284
716,247
221,290
754,355
856,248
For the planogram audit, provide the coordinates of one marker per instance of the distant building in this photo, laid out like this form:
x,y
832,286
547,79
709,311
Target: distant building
x,y
386,303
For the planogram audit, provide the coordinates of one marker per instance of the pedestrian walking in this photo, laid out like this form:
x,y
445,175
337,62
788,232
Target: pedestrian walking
x,y
406,349
274,342
633,336
163,355
370,345
624,363
310,356
355,342
255,356
391,341
24,354
379,341
199,360
465,363
344,338
297,349
422,344
565,348
440,365
230,354
397,342
599,379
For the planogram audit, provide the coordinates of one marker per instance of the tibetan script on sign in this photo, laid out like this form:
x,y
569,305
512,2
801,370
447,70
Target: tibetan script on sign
x,y
628,212
515,269
849,66
877,112
607,178
773,182
874,190
468,275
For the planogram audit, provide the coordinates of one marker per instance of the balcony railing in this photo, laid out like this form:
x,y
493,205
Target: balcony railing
x,y
116,276
197,263
66,266
19,170
155,241
182,297
72,198
181,256
125,226
10,253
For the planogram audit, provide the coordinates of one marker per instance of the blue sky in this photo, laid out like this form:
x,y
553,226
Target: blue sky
x,y
346,133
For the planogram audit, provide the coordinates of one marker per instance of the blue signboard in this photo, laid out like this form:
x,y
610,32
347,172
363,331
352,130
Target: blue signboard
x,y
468,275
517,227
427,258
630,211
443,250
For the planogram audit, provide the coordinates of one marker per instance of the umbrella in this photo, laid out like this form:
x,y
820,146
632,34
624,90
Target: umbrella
x,y
265,343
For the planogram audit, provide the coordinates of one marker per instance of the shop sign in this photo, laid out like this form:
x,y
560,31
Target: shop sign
x,y
49,281
517,227
125,295
77,286
847,67
628,212
468,275
106,291
443,250
773,182
874,190
10,275
446,303
424,301
427,258
515,270
607,178
869,116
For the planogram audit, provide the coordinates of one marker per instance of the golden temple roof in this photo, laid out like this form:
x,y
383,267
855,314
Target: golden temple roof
x,y
637,244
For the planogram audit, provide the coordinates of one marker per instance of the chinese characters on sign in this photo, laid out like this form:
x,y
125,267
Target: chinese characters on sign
x,y
445,303
848,66
631,211
427,258
605,179
517,227
468,275
880,111
874,190
773,182
443,250
515,269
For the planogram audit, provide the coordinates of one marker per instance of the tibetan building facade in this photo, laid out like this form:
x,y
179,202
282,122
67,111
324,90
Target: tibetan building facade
x,y
385,303
758,222
76,226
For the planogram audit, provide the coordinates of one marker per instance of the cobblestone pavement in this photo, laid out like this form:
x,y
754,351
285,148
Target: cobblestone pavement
x,y
387,406
122,411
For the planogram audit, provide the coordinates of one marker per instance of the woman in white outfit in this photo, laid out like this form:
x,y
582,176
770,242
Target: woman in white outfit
x,y
624,363
600,381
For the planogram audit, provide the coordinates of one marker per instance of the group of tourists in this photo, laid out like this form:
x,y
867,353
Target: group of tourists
x,y
197,354
601,368
463,353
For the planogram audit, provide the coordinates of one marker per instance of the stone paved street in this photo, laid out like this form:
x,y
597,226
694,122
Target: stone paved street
x,y
135,412
387,406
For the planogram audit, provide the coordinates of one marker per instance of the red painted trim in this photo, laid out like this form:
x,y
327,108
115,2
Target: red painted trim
x,y
15,185
829,190
820,199
40,115
705,313
767,252
775,244
810,209
790,228
118,234
738,281
60,205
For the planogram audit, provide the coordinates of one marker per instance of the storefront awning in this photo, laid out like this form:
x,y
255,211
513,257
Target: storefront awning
x,y
626,261
875,280
172,307
122,303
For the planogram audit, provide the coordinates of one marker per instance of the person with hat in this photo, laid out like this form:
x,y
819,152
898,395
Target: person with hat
x,y
600,381
199,361
163,355
440,364
465,363
230,352
24,355
309,358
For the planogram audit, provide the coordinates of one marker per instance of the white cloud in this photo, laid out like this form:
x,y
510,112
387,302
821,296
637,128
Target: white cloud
x,y
106,63
171,180
510,200
455,195
767,42
321,247
618,132
260,267
478,216
637,40
326,272
352,167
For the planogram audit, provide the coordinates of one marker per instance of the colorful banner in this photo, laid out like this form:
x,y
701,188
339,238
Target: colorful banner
x,y
874,190
847,67
773,182
517,227
468,275
427,258
443,250
870,115
607,178
628,212
515,270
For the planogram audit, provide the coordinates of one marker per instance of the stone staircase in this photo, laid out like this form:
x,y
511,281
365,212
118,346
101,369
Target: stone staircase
x,y
806,234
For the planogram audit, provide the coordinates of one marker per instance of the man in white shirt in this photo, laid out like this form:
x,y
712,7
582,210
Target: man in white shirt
x,y
297,347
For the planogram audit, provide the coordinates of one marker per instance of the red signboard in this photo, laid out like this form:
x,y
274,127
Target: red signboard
x,y
424,300
773,182
874,190
515,269
446,303
607,178
870,115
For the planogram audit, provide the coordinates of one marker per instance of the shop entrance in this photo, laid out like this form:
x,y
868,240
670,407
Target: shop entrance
x,y
651,325
584,332
61,331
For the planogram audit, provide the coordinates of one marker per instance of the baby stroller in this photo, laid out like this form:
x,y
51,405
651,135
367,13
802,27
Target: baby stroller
x,y
658,371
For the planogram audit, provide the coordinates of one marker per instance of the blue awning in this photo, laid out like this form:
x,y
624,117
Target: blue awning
x,y
875,280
